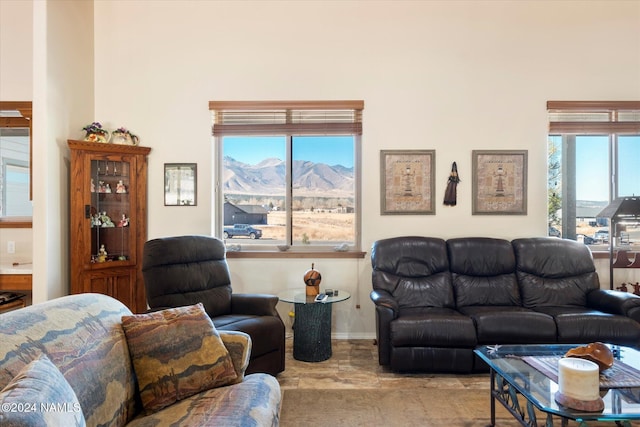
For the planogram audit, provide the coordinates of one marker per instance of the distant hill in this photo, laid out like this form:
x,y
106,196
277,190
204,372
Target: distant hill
x,y
589,208
268,178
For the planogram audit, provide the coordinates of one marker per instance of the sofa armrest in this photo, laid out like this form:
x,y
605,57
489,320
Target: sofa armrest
x,y
239,346
384,299
255,304
615,302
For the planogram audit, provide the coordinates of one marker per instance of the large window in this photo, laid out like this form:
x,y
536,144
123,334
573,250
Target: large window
x,y
288,174
594,158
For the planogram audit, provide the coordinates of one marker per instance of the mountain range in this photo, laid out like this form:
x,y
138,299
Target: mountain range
x,y
268,178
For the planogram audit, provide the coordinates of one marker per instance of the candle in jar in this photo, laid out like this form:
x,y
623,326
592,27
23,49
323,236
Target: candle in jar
x,y
578,378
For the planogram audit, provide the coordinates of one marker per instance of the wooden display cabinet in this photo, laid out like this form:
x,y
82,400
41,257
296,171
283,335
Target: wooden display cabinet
x,y
108,196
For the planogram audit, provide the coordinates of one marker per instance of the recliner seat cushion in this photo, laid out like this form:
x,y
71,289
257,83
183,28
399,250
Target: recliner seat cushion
x,y
260,328
514,325
583,325
432,327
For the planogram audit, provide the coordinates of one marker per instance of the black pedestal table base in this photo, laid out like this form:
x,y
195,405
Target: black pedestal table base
x,y
312,332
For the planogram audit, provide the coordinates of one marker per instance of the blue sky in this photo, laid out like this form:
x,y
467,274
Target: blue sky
x,y
332,150
592,173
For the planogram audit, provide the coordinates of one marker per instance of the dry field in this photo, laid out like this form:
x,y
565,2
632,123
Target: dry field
x,y
334,227
587,230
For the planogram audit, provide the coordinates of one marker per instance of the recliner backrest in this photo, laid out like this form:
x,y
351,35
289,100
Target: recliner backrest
x,y
483,271
415,270
554,272
185,270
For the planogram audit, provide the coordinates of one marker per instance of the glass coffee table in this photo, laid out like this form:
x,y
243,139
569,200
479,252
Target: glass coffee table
x,y
312,324
523,389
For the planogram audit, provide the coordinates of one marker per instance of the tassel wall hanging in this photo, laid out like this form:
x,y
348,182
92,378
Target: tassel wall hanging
x,y
451,193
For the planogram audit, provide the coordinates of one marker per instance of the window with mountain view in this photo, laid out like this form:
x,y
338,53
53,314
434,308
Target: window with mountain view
x,y
593,159
288,173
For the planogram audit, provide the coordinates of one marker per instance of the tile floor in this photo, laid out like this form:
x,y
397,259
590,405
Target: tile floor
x,y
354,365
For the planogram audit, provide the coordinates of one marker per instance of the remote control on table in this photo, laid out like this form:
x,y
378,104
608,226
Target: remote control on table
x,y
321,297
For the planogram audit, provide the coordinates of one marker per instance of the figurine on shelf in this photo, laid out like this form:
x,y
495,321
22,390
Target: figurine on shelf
x,y
101,187
95,221
120,187
623,287
93,186
636,288
102,254
106,220
124,222
107,188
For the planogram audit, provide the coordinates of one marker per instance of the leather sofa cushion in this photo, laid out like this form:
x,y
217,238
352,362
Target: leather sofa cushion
x,y
514,325
432,359
554,272
260,328
415,270
483,272
582,325
432,327
546,292
194,270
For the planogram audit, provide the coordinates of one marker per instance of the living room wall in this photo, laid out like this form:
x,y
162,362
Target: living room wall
x,y
448,76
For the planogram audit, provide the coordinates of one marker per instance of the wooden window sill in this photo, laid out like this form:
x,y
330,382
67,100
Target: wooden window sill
x,y
295,254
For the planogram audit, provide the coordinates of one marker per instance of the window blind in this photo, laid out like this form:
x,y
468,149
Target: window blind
x,y
286,117
594,117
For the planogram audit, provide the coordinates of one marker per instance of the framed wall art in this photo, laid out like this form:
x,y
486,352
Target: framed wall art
x,y
499,182
180,184
407,182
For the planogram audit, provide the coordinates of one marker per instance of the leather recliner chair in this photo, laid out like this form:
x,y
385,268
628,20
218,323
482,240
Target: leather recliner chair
x,y
186,270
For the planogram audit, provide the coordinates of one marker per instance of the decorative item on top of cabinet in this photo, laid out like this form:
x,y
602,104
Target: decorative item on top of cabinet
x,y
124,136
108,210
96,133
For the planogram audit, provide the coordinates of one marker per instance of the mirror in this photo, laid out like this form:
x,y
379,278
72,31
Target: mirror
x,y
15,164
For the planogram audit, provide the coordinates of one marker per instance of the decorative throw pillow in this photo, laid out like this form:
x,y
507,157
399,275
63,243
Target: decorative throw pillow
x,y
40,396
176,353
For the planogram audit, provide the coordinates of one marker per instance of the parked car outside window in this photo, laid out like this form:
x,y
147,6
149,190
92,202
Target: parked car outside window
x,y
602,235
586,239
554,232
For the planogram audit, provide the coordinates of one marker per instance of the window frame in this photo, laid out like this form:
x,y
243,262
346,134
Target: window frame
x,y
570,119
289,125
25,121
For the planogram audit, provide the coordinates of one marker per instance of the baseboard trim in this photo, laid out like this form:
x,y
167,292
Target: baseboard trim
x,y
344,336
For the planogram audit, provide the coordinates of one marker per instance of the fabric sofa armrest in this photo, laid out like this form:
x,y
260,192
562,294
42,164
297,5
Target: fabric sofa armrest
x,y
255,304
384,299
615,302
239,346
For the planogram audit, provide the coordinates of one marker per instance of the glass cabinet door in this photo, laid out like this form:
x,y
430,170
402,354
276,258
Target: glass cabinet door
x,y
112,238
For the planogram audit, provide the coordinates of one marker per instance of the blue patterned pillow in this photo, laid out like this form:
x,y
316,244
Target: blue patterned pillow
x,y
176,353
40,396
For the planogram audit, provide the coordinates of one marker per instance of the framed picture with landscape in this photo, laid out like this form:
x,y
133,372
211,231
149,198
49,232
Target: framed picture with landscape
x,y
407,182
499,182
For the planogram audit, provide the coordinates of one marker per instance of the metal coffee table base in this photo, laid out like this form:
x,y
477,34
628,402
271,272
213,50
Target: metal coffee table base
x,y
312,332
507,394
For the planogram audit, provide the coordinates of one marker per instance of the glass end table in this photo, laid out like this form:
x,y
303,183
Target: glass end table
x,y
312,324
512,377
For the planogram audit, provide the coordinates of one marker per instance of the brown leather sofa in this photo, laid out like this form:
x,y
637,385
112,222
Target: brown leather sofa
x,y
437,300
185,270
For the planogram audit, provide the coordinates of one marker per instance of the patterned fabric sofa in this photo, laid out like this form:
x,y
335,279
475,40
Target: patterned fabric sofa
x,y
83,336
